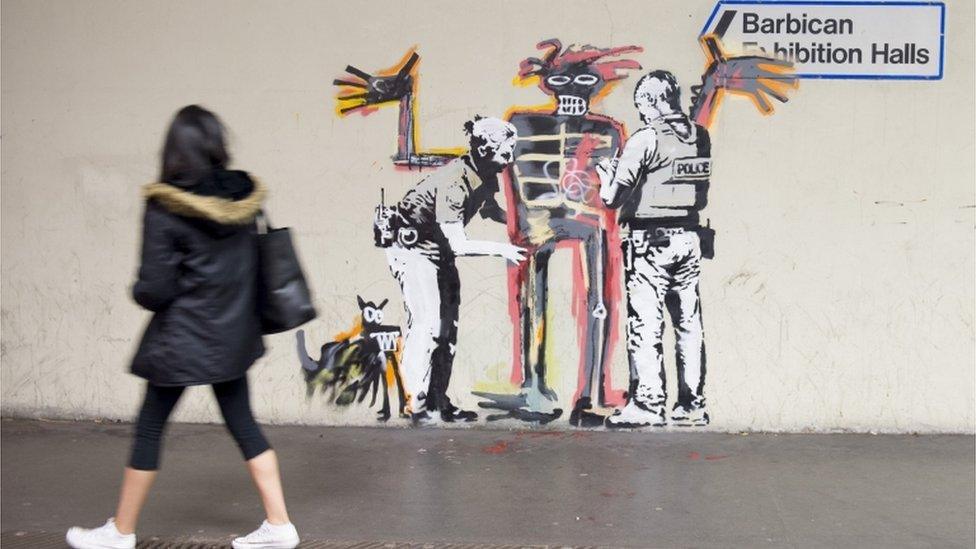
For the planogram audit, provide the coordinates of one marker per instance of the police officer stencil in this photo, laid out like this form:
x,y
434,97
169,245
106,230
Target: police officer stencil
x,y
423,234
660,184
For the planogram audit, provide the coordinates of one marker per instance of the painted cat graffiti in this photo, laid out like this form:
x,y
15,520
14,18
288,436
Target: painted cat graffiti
x,y
358,363
575,181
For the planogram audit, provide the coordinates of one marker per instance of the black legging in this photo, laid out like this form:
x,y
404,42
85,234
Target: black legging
x,y
235,405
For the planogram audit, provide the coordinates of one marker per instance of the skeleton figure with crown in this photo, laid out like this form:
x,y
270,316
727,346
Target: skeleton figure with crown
x,y
554,200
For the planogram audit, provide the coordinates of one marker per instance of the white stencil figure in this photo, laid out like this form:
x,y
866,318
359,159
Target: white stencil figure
x,y
660,183
429,227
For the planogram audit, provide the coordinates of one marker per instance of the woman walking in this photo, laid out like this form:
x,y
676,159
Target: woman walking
x,y
198,277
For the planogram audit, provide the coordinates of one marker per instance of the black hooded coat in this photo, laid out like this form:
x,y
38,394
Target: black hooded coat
x,y
199,276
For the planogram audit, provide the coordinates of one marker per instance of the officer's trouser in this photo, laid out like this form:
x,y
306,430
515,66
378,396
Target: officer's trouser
x,y
431,297
661,269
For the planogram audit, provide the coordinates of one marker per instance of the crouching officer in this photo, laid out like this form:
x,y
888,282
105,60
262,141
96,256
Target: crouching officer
x,y
660,184
423,235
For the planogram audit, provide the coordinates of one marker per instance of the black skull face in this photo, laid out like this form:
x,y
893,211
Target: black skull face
x,y
573,88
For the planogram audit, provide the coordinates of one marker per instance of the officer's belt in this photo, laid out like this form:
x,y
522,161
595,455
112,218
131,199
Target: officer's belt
x,y
650,223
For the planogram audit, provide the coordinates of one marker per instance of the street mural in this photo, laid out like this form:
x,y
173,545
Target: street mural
x,y
358,363
569,178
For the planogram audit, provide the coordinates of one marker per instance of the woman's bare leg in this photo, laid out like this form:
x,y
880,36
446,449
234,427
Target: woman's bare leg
x,y
132,496
262,462
143,464
264,472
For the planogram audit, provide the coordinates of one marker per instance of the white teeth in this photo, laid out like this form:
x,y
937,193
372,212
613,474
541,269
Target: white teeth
x,y
572,105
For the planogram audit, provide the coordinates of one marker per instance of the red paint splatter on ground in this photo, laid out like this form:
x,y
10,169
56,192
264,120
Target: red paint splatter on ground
x,y
540,434
499,447
715,457
694,456
607,494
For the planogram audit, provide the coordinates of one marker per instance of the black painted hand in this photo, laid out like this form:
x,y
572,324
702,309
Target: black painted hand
x,y
364,90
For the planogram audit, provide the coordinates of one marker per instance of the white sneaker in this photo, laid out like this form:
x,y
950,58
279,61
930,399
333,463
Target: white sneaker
x,y
103,537
269,536
634,415
695,416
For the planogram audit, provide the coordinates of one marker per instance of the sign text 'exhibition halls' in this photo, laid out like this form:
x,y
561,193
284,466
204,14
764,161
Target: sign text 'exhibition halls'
x,y
837,39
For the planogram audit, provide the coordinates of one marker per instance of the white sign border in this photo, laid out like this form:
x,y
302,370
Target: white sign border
x,y
882,4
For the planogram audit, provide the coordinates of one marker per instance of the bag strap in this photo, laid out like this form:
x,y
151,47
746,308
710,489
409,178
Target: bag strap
x,y
263,222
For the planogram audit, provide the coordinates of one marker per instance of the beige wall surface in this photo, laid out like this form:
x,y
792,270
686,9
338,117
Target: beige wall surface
x,y
841,296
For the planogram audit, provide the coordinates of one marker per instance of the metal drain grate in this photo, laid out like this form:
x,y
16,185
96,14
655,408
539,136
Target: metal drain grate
x,y
27,540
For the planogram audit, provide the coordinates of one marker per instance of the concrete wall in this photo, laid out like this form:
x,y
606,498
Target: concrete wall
x,y
841,296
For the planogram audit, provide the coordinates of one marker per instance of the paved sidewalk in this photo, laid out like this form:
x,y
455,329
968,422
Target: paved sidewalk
x,y
624,489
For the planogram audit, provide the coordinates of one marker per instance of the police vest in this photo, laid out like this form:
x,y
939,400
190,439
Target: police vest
x,y
675,183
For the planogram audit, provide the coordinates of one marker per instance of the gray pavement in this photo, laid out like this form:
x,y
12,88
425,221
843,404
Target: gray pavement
x,y
623,489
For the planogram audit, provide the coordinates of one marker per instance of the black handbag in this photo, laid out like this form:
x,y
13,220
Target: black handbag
x,y
284,300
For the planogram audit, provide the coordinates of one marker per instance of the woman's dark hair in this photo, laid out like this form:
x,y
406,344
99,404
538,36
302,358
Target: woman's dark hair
x,y
194,146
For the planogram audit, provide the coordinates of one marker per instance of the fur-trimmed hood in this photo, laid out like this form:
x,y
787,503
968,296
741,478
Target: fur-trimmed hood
x,y
198,272
220,210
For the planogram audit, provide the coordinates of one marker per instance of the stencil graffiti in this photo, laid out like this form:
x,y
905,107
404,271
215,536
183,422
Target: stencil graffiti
x,y
422,235
575,182
660,185
358,363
